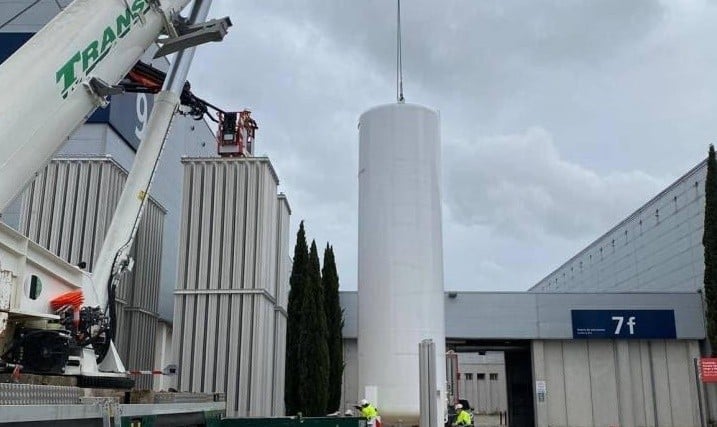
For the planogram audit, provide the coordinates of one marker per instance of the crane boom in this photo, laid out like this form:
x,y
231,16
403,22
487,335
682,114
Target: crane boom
x,y
123,227
46,92
52,84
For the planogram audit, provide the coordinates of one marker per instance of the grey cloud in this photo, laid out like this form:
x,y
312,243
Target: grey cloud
x,y
623,91
519,185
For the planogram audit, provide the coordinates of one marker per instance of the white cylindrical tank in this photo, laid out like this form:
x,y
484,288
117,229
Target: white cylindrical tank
x,y
400,257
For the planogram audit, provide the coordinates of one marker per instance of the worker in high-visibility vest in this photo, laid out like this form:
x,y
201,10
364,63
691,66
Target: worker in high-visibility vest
x,y
463,418
370,412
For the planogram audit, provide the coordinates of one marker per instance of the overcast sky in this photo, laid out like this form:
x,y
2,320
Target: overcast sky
x,y
559,118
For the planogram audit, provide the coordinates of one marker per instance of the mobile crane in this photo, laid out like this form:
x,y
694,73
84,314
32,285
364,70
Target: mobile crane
x,y
51,86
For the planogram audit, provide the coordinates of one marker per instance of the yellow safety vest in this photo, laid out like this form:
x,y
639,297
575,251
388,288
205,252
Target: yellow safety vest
x,y
369,411
463,418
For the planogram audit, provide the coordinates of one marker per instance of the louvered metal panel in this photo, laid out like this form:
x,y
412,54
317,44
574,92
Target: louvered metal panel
x,y
283,270
67,209
69,216
122,333
148,247
143,325
228,238
283,259
226,344
234,237
278,407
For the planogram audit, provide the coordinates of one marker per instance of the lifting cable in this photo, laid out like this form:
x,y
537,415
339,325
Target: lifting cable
x,y
399,60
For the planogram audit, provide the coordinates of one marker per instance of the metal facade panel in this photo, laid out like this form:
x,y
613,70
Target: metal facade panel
x,y
283,259
603,383
492,315
532,315
143,327
85,216
350,393
349,304
229,225
67,209
239,363
657,248
615,382
121,338
279,373
234,234
147,253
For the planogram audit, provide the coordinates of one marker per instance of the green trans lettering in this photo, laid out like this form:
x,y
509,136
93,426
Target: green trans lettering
x,y
138,6
67,76
90,55
123,23
67,72
108,37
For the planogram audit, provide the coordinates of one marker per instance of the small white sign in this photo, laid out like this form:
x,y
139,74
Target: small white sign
x,y
541,388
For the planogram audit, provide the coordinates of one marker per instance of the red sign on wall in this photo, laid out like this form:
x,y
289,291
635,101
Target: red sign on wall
x,y
708,369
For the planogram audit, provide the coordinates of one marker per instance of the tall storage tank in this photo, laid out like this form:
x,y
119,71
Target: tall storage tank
x,y
400,257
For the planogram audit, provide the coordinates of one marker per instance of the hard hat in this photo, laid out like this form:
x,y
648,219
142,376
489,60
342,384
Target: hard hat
x,y
363,402
458,406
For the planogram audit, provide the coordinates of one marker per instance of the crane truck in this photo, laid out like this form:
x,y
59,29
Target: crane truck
x,y
57,320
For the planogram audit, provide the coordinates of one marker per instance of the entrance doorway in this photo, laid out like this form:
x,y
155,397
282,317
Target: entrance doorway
x,y
497,375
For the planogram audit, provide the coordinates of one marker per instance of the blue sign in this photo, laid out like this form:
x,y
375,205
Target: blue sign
x,y
623,324
128,114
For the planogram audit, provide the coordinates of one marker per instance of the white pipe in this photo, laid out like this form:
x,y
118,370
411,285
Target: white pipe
x,y
122,229
134,195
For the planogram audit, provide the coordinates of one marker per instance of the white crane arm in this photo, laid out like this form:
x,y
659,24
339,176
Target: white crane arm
x,y
45,97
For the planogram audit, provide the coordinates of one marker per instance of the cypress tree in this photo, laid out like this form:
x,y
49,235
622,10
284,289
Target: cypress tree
x,y
709,240
334,324
298,282
313,351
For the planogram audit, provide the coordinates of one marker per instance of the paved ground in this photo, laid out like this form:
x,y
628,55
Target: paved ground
x,y
486,420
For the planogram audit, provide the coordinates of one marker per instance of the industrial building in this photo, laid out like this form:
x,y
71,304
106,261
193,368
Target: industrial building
x,y
88,173
69,204
67,209
609,338
481,381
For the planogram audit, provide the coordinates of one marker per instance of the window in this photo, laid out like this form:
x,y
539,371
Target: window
x,y
469,377
480,376
33,287
494,377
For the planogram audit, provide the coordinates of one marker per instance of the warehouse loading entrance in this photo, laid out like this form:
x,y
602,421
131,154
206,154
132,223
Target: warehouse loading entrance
x,y
494,376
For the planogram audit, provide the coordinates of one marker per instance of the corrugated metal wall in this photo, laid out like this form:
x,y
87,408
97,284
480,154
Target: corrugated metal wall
x,y
657,248
227,323
617,382
69,205
67,209
283,270
163,355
